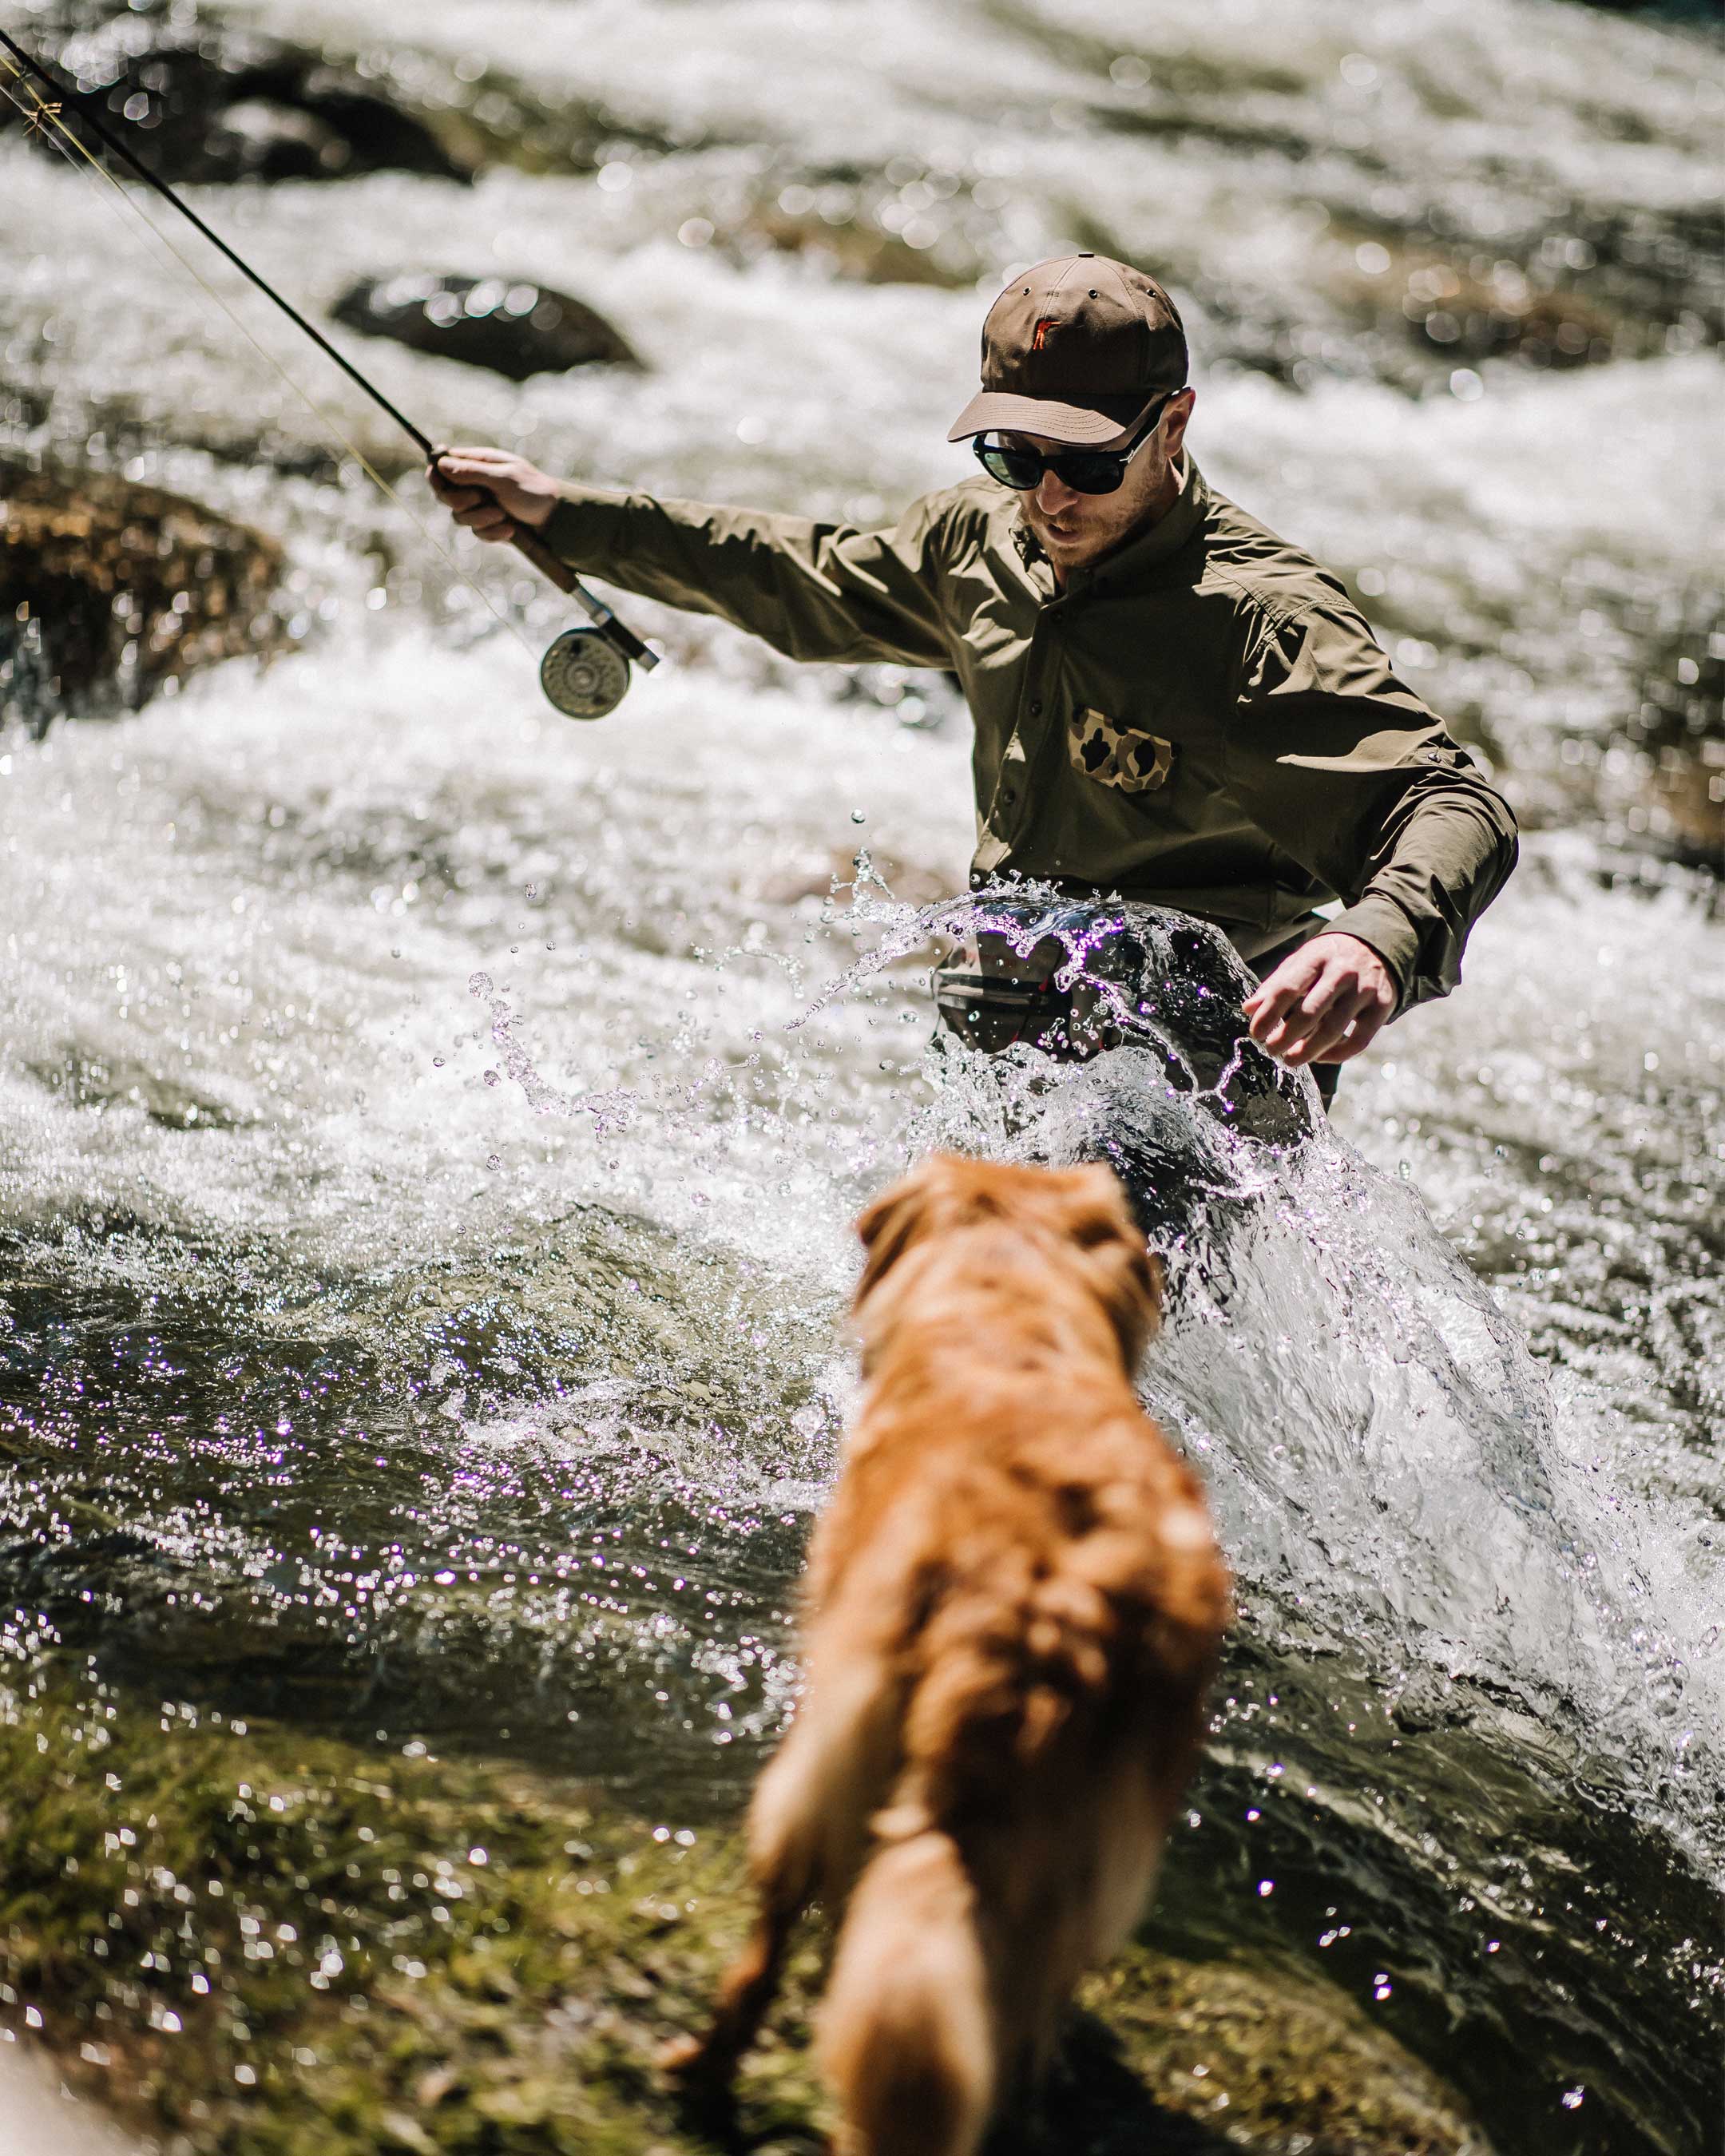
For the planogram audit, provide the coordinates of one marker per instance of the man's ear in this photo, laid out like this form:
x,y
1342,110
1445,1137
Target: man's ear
x,y
1177,418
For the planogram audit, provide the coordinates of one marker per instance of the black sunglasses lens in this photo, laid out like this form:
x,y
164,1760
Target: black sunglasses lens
x,y
1088,475
1015,468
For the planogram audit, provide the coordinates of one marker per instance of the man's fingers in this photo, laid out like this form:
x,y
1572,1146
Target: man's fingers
x,y
1288,1011
476,509
1323,1032
1276,997
1322,1005
1364,1028
484,465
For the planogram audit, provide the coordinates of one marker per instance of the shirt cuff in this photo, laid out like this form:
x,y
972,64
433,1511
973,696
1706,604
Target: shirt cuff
x,y
1381,923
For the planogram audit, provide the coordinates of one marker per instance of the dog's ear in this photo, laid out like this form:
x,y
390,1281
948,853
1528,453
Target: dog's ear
x,y
885,1228
1128,1277
946,1189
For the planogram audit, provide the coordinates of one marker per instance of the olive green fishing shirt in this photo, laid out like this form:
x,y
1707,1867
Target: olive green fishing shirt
x,y
1201,720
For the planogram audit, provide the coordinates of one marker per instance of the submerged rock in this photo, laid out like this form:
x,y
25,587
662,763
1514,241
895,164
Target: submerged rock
x,y
509,326
251,1937
109,591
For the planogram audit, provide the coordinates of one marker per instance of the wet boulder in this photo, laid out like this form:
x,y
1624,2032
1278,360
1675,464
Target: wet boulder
x,y
109,591
224,105
511,326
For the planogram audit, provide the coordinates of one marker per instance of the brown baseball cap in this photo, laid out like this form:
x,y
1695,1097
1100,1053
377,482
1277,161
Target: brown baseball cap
x,y
1076,349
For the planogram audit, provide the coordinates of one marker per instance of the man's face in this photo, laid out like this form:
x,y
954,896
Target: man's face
x,y
1076,528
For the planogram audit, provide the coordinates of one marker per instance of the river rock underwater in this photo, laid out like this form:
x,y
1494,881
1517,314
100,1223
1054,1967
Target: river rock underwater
x,y
429,1131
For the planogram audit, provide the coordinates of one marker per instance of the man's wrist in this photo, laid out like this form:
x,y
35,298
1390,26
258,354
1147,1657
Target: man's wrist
x,y
1387,933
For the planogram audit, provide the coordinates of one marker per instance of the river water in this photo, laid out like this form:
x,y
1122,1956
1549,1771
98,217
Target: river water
x,y
429,1130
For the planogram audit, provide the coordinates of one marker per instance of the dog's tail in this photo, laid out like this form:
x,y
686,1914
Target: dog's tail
x,y
907,2028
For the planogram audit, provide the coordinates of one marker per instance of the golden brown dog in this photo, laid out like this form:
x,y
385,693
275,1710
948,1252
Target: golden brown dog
x,y
1014,1605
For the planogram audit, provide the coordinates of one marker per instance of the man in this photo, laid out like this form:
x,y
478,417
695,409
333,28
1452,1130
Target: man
x,y
1171,703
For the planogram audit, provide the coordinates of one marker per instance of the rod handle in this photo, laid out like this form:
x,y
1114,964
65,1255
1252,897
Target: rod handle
x,y
557,572
564,577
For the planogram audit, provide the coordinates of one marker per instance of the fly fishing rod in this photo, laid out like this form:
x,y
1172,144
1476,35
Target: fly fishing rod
x,y
585,672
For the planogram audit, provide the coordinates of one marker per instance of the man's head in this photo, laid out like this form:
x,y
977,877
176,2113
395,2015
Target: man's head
x,y
1087,357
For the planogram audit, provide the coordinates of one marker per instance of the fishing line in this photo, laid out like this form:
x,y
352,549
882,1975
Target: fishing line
x,y
586,671
42,119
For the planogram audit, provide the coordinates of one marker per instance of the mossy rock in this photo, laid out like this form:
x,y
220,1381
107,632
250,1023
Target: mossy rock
x,y
250,1941
109,591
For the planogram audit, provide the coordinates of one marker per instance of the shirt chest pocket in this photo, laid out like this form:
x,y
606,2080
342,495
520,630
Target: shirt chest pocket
x,y
1116,755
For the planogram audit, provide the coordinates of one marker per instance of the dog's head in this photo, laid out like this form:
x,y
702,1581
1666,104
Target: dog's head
x,y
1080,1213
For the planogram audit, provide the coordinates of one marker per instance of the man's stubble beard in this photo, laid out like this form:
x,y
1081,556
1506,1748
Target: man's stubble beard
x,y
1145,499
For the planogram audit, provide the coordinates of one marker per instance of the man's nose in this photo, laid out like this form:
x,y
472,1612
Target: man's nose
x,y
1052,495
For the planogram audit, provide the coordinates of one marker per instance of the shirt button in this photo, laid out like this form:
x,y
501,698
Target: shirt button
x,y
1009,794
1035,710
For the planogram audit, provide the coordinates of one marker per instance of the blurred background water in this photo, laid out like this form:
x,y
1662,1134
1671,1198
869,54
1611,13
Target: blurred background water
x,y
429,1130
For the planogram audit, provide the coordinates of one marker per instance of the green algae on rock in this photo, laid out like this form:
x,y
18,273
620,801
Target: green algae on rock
x,y
253,1941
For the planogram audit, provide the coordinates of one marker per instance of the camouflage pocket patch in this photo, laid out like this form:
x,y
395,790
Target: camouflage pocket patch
x,y
1118,756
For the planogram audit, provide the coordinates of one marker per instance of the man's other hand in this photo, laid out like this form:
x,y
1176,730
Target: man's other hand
x,y
1323,1003
491,492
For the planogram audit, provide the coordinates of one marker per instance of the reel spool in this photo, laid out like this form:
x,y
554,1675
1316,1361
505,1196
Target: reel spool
x,y
583,674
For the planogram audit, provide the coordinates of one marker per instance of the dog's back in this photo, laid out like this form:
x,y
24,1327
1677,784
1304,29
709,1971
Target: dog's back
x,y
1015,1604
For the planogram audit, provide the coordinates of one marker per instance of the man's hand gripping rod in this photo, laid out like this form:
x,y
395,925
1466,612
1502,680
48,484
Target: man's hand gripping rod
x,y
585,671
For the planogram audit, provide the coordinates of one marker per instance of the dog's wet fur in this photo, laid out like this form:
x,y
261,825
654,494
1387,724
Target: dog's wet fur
x,y
1014,1607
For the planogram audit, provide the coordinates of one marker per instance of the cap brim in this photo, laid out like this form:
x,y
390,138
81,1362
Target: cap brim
x,y
1085,426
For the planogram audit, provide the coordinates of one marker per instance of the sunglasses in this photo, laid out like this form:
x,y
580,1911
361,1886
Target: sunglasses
x,y
1086,471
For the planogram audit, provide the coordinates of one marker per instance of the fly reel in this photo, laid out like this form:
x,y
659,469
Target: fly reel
x,y
583,674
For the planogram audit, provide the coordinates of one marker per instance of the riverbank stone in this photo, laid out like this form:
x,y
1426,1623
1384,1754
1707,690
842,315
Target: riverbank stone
x,y
511,326
110,592
250,1938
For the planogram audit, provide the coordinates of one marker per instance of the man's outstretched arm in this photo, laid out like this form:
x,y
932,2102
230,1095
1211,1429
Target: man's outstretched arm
x,y
811,590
